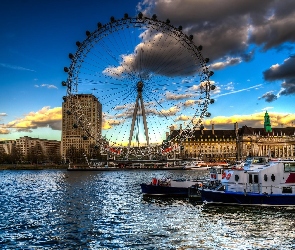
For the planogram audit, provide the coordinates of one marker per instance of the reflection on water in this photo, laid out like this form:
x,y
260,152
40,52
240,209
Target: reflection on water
x,y
106,210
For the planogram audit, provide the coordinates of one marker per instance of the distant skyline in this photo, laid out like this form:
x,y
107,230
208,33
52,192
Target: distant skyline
x,y
251,46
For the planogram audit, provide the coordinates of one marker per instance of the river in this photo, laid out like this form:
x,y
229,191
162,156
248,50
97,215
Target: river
x,y
57,209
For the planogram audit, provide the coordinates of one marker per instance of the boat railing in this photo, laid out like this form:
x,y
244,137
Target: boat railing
x,y
258,188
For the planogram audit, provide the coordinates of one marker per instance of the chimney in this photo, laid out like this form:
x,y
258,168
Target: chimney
x,y
212,128
202,129
171,129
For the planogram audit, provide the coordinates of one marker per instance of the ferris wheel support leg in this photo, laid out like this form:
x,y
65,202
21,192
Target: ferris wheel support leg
x,y
144,122
133,121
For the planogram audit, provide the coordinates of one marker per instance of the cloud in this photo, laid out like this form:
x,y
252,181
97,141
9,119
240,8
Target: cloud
x,y
288,87
227,28
48,86
254,120
269,96
283,71
4,131
46,117
109,123
171,96
183,118
158,54
227,62
9,66
169,112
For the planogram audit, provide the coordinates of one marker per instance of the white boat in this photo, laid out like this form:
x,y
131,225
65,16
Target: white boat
x,y
260,182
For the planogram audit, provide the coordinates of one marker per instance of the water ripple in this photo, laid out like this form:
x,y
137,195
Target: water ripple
x,y
55,209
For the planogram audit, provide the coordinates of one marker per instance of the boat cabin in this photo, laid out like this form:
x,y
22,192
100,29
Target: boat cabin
x,y
261,176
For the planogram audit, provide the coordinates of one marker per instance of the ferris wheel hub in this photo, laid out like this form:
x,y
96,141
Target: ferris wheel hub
x,y
139,86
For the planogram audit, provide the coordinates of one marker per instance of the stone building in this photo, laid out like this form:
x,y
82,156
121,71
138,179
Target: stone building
x,y
238,143
75,139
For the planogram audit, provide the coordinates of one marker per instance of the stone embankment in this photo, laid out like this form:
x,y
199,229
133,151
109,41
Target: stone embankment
x,y
31,166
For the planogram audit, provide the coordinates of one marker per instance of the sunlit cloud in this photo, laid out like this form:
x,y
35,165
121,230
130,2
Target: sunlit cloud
x,y
110,123
183,118
4,131
255,120
169,112
228,62
46,117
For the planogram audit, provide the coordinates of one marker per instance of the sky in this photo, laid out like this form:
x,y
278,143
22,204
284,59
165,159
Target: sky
x,y
250,44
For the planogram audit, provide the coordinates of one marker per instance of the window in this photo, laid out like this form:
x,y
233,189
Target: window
x,y
255,178
289,167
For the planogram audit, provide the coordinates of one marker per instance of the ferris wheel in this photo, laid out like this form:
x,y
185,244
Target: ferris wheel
x,y
149,77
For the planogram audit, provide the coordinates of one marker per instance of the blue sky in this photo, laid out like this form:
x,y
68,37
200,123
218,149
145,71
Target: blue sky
x,y
250,45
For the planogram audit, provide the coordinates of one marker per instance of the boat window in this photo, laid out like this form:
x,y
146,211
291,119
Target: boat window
x,y
287,190
255,178
289,167
212,170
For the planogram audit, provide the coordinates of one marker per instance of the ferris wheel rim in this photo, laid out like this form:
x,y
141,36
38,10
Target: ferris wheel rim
x,y
77,58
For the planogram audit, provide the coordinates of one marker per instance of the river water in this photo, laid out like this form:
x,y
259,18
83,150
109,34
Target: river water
x,y
57,209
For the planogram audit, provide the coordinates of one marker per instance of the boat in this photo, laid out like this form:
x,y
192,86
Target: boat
x,y
173,188
260,182
202,165
187,165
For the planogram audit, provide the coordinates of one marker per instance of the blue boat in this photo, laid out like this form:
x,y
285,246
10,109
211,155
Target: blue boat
x,y
260,182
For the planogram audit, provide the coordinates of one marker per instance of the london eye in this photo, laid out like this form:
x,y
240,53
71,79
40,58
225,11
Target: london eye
x,y
149,77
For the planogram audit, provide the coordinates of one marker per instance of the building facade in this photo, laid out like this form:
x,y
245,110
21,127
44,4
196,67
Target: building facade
x,y
79,125
238,143
27,148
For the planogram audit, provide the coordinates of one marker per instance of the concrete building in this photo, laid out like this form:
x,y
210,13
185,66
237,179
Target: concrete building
x,y
7,146
81,124
49,149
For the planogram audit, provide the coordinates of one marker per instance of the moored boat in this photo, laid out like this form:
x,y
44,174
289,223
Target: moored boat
x,y
172,188
259,182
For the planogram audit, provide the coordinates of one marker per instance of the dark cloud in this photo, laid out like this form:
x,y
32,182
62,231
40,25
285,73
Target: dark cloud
x,y
283,71
54,125
227,28
269,97
288,87
277,25
159,54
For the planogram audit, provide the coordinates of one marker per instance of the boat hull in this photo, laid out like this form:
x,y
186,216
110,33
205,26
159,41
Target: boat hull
x,y
148,189
250,199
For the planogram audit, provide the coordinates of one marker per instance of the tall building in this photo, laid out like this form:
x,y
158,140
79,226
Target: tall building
x,y
81,125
